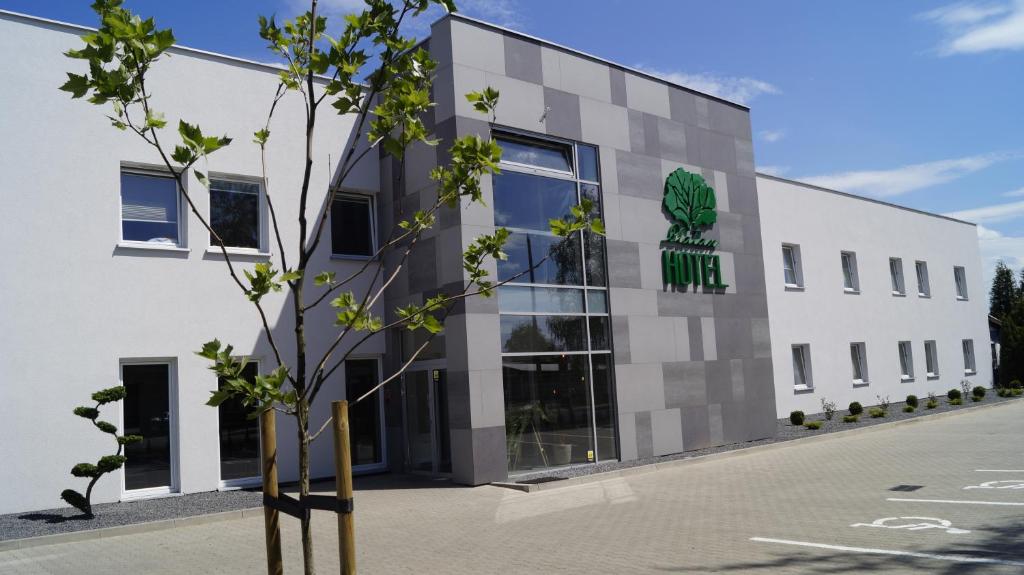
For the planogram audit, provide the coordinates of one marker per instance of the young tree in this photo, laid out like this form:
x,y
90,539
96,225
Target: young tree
x,y
382,79
1011,351
1004,291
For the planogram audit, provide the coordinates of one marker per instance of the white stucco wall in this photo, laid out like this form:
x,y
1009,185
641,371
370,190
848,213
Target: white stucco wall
x,y
825,223
74,304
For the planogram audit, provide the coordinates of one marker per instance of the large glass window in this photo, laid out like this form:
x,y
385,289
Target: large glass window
x,y
239,435
147,413
352,226
149,208
555,329
235,213
365,417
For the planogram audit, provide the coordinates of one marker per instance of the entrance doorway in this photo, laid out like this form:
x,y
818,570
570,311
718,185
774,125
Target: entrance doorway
x,y
427,434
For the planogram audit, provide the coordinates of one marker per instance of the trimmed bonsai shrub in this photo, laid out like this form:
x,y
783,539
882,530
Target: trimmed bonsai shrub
x,y
828,408
908,409
107,463
796,417
956,401
850,418
954,394
856,408
813,425
978,392
912,400
876,412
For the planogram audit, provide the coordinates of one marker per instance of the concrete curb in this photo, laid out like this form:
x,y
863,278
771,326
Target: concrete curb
x,y
90,534
651,468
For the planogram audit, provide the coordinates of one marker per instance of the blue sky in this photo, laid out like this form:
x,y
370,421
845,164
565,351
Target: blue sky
x,y
917,103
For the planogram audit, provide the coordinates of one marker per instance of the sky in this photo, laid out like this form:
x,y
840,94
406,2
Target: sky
x,y
912,102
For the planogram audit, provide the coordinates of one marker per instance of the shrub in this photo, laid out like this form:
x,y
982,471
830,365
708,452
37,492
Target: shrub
x,y
850,418
856,408
1016,384
828,408
1017,391
965,388
912,400
883,402
813,425
956,401
954,394
1004,392
978,391
932,404
796,417
876,412
908,409
976,398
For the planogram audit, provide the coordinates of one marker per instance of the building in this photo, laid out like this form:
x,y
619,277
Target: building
x,y
662,337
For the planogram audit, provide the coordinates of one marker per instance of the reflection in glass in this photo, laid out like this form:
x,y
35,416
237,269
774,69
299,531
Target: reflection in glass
x,y
542,259
239,435
588,162
546,155
147,413
599,333
604,406
364,417
536,333
547,411
597,301
596,273
234,213
529,202
149,208
540,299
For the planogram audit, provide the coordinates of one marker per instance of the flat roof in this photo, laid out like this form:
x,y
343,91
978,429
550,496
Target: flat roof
x,y
648,75
864,198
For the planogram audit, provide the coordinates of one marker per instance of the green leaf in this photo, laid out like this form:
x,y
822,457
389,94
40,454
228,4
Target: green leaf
x,y
324,278
110,394
77,85
220,396
87,412
210,350
261,136
106,427
202,179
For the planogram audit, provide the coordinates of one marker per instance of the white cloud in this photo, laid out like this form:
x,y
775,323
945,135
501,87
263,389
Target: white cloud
x,y
990,214
772,135
896,181
773,170
1014,193
733,88
972,28
994,247
501,12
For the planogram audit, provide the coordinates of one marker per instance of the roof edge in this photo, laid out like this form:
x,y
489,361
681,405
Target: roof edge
x,y
605,61
864,198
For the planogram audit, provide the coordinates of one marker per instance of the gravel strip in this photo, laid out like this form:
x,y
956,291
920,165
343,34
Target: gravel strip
x,y
784,431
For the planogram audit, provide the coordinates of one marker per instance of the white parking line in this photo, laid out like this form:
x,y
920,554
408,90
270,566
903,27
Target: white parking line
x,y
868,550
960,502
1000,470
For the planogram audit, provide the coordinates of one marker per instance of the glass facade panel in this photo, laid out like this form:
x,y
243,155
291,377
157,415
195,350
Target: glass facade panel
x,y
546,155
364,417
540,299
541,259
548,419
540,333
604,406
588,162
234,213
239,435
599,339
597,301
528,202
147,413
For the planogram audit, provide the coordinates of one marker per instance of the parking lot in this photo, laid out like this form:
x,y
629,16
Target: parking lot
x,y
938,495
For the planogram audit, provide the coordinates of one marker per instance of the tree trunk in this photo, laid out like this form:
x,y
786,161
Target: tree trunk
x,y
306,522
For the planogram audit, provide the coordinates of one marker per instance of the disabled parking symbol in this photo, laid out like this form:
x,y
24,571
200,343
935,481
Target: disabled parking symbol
x,y
914,524
1001,484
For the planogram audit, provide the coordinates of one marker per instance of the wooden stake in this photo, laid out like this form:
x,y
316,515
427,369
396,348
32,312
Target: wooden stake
x,y
271,517
343,480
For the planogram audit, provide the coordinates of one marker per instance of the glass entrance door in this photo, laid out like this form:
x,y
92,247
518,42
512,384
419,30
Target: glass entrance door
x,y
365,417
427,435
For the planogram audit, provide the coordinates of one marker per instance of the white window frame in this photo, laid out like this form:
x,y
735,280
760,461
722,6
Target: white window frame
x,y
157,172
798,275
859,359
960,283
174,488
374,244
241,482
970,365
924,284
804,351
263,232
850,257
906,358
896,279
931,359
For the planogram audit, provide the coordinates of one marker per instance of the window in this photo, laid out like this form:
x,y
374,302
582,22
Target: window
x,y
235,213
801,367
352,226
969,366
546,155
792,274
931,359
924,288
851,282
961,282
147,412
149,208
896,274
906,361
365,417
239,436
858,358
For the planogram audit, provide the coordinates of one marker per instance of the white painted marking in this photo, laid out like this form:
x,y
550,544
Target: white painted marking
x,y
871,551
1000,470
1008,503
916,524
1001,484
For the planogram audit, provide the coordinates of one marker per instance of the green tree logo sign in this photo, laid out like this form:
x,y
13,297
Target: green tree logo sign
x,y
690,201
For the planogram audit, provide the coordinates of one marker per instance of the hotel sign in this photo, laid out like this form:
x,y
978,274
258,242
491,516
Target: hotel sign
x,y
686,257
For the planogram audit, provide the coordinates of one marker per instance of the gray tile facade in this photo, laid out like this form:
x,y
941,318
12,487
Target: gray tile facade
x,y
692,368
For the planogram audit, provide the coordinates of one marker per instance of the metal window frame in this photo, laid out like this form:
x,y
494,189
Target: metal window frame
x,y
152,171
262,224
371,200
173,425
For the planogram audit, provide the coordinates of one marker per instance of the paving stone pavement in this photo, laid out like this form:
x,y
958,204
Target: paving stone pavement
x,y
694,518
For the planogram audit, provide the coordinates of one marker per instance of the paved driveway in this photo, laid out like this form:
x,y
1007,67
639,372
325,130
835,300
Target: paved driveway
x,y
786,509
